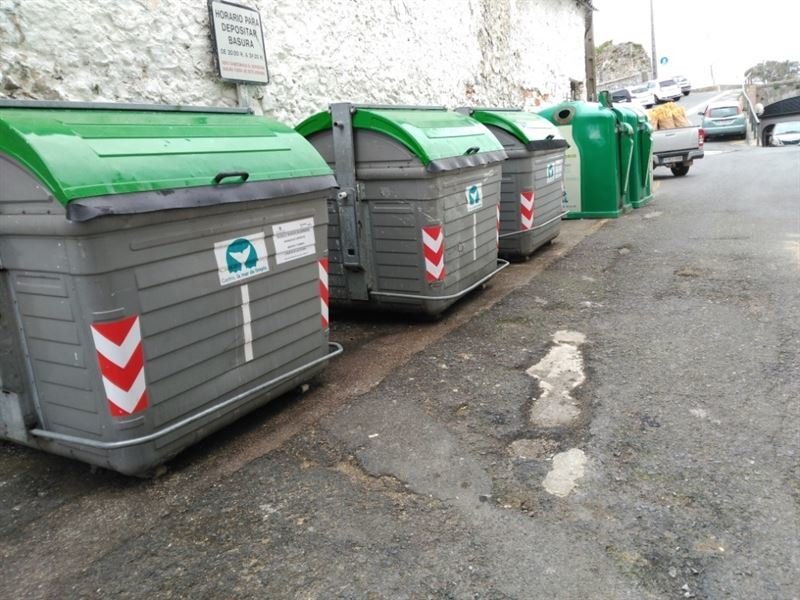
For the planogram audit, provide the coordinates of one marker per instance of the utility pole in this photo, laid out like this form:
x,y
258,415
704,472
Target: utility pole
x,y
653,42
588,43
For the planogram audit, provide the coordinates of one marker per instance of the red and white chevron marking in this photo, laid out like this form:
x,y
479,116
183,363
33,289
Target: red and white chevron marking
x,y
497,229
526,210
121,358
324,292
433,249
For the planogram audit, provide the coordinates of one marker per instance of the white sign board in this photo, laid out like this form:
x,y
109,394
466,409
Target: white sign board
x,y
293,240
239,42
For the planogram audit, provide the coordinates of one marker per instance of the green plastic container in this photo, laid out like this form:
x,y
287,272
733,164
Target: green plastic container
x,y
643,156
598,162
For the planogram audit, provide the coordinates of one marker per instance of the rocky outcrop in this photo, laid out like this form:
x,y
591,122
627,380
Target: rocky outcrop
x,y
621,64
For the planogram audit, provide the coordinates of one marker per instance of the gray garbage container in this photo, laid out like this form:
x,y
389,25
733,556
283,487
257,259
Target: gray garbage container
x,y
163,274
532,199
414,226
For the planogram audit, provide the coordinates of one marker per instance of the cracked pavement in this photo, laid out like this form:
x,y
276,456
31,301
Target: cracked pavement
x,y
414,468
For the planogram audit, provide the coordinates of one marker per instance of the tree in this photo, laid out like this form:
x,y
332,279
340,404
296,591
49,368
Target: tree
x,y
773,70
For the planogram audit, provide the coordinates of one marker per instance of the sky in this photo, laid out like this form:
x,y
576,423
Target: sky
x,y
701,37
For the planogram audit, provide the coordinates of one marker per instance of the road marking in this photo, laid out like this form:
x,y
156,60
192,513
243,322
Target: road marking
x,y
702,106
558,373
247,324
568,467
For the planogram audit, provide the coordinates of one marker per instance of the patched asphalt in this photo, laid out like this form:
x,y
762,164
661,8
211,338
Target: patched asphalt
x,y
430,484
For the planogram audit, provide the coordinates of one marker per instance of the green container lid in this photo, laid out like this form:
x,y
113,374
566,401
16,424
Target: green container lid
x,y
86,151
439,138
533,131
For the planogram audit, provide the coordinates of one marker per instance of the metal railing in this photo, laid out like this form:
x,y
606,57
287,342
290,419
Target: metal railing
x,y
753,122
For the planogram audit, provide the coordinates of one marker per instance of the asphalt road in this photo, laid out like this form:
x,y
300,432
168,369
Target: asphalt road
x,y
617,418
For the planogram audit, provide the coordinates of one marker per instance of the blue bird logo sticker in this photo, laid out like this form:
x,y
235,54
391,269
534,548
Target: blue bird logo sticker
x,y
241,255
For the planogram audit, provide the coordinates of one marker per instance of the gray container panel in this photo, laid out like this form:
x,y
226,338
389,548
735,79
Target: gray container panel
x,y
69,410
378,157
56,353
304,343
525,170
550,193
396,234
336,274
45,307
21,191
160,265
267,331
12,370
530,174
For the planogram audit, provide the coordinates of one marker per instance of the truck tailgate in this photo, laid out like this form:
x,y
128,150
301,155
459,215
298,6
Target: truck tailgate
x,y
674,140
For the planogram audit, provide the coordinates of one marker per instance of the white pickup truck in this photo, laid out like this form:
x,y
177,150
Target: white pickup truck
x,y
677,148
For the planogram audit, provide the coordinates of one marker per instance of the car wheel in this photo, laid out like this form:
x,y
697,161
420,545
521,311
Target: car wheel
x,y
679,170
685,93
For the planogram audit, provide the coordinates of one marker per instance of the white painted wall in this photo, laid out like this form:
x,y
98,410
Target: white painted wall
x,y
448,52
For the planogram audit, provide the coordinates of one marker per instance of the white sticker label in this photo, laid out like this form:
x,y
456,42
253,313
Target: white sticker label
x,y
573,202
474,194
293,240
241,258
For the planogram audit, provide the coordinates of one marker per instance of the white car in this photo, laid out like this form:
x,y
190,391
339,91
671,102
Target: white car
x,y
666,90
643,94
786,133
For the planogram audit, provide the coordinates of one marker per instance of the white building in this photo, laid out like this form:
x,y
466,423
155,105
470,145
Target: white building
x,y
442,52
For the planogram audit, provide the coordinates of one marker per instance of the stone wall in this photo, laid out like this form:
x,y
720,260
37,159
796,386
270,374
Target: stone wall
x,y
447,52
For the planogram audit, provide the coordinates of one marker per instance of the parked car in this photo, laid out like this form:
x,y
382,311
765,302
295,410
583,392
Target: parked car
x,y
784,134
643,94
683,83
621,95
666,90
724,118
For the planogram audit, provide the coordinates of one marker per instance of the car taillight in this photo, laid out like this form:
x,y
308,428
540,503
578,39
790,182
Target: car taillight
x,y
701,137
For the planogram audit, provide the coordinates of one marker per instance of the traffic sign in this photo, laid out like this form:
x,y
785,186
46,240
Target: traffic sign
x,y
664,60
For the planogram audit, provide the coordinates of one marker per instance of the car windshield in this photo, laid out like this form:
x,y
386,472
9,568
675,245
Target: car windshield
x,y
723,111
790,127
639,90
667,82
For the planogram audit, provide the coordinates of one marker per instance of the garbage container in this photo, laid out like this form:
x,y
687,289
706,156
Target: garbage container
x,y
598,160
532,198
163,274
633,184
414,224
643,154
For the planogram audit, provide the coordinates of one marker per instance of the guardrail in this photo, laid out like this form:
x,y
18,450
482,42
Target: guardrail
x,y
754,123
